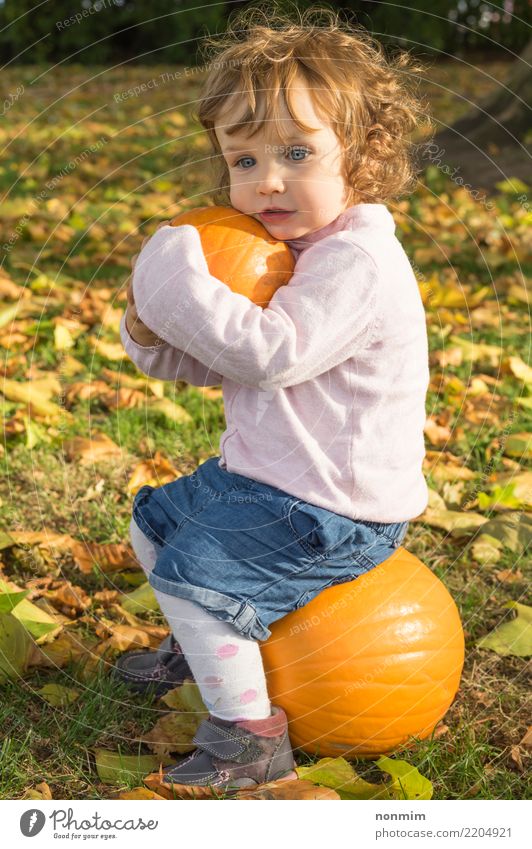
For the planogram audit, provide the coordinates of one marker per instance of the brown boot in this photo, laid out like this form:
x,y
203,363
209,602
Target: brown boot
x,y
233,755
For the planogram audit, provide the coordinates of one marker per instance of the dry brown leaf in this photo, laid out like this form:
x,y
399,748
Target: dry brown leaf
x,y
55,655
515,757
74,326
45,538
173,733
154,472
123,379
98,447
125,637
40,791
35,394
82,391
71,366
444,466
526,742
437,434
110,350
209,392
177,791
110,557
9,289
139,793
107,597
450,356
123,398
293,789
67,598
509,576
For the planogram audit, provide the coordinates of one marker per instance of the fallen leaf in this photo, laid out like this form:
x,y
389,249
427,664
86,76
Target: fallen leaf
x,y
69,598
186,697
140,600
94,450
173,732
40,791
515,757
513,529
15,648
459,524
407,782
513,637
36,621
171,411
154,472
110,350
57,695
509,576
116,768
109,557
57,654
526,742
519,368
293,789
486,549
139,793
338,774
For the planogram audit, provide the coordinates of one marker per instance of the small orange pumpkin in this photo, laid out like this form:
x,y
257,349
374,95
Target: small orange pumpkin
x,y
240,252
369,663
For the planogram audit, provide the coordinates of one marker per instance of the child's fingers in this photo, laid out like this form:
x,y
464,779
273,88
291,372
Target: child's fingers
x,y
130,298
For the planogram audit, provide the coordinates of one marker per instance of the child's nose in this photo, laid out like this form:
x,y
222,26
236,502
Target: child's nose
x,y
270,179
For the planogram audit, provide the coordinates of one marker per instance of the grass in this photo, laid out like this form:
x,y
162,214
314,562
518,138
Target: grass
x,y
475,756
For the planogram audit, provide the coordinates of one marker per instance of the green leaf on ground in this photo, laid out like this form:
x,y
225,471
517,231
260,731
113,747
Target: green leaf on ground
x,y
514,637
338,774
10,598
186,697
407,782
57,695
15,647
140,600
116,768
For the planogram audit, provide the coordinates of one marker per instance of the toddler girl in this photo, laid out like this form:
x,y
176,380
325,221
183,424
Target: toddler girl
x,y
320,466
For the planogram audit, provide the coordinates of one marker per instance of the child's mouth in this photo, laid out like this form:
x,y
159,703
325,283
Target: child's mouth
x,y
274,215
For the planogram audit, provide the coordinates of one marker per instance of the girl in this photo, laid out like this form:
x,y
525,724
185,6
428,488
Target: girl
x,y
320,466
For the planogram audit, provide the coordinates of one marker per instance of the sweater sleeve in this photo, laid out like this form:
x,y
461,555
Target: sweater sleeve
x,y
325,314
165,362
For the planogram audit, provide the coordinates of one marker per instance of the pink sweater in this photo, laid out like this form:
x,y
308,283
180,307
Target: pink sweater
x,y
324,390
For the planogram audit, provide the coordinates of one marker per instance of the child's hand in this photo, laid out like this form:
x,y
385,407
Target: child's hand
x,y
138,331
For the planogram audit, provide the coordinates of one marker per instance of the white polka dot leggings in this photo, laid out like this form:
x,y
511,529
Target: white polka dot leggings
x,y
227,667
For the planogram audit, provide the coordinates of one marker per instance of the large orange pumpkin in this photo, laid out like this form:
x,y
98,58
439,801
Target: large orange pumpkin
x,y
240,252
369,663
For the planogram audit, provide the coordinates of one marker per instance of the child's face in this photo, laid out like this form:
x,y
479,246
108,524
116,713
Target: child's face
x,y
303,176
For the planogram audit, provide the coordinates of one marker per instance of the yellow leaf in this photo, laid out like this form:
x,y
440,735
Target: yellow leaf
x,y
57,695
173,412
88,451
62,338
111,350
140,793
520,369
154,472
491,354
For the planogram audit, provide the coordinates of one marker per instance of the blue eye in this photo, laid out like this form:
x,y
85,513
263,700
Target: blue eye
x,y
291,150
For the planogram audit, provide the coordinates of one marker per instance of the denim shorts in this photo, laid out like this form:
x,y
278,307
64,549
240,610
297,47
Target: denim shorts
x,y
250,553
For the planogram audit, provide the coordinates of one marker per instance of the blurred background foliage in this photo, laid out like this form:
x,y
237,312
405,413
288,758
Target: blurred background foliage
x,y
119,31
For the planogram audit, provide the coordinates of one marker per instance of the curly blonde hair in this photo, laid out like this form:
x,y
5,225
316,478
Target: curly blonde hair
x,y
369,99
